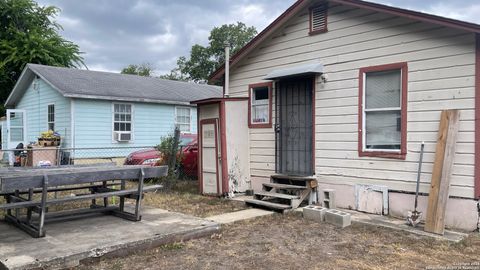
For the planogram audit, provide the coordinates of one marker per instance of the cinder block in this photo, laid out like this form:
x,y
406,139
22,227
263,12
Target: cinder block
x,y
315,213
338,218
329,198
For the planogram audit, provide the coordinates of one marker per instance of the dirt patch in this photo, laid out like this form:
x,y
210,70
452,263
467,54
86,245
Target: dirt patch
x,y
290,242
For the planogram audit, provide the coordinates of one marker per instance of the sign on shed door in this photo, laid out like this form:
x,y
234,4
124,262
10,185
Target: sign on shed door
x,y
210,159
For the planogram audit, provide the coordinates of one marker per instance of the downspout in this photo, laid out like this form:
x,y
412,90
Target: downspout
x,y
72,128
226,93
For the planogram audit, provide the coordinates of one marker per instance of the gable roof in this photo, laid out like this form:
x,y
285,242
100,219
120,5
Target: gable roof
x,y
78,83
301,4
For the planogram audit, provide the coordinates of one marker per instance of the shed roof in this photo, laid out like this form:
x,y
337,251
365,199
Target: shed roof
x,y
78,83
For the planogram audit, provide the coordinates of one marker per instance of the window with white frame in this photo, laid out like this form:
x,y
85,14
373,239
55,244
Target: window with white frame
x,y
183,119
51,117
122,117
260,105
382,110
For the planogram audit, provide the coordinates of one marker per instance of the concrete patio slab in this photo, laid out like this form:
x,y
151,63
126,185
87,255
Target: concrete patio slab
x,y
399,224
67,243
239,215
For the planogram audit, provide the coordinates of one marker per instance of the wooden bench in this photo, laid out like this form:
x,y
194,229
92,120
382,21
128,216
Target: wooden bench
x,y
18,186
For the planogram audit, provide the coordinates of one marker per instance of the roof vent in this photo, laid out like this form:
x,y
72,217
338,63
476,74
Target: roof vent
x,y
318,19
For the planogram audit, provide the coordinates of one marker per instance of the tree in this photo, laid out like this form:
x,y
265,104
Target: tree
x,y
28,34
205,60
144,69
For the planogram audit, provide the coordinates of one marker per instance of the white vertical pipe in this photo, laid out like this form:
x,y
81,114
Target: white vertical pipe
x,y
227,70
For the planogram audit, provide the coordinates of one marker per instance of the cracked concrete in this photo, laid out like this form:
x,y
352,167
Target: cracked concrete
x,y
239,215
67,243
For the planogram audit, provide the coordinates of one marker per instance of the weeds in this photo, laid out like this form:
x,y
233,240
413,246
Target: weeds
x,y
173,246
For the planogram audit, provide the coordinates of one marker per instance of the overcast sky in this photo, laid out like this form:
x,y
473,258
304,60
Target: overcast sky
x,y
115,33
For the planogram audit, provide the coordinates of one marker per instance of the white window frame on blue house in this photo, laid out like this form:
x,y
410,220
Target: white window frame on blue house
x,y
50,122
178,124
132,116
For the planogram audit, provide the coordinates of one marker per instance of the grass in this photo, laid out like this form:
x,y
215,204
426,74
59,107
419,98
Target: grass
x,y
2,212
185,198
173,246
291,242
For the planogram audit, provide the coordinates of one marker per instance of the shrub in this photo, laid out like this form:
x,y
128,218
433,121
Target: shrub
x,y
169,155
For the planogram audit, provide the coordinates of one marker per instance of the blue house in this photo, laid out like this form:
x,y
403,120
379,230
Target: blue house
x,y
92,109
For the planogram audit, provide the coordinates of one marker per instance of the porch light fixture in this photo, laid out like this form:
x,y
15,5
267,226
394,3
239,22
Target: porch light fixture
x,y
324,78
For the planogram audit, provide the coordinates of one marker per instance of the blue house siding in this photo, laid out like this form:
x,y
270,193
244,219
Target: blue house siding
x,y
93,126
35,102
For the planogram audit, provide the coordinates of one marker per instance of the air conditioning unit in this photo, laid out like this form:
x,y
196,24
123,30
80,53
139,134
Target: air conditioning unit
x,y
123,136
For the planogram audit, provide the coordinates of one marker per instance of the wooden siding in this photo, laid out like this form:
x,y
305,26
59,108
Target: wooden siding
x,y
93,123
35,102
441,64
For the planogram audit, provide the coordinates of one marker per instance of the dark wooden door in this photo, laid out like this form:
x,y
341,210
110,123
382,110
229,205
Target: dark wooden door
x,y
294,126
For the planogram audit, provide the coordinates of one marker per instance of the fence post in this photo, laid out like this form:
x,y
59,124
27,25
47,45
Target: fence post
x,y
173,158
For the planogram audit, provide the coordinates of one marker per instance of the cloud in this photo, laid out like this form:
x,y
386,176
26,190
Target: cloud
x,y
162,42
116,33
457,11
465,10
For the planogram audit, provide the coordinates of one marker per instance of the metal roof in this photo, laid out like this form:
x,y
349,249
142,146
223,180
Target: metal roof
x,y
310,68
78,83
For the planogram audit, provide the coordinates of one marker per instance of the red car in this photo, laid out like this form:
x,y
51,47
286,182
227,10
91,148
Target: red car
x,y
152,156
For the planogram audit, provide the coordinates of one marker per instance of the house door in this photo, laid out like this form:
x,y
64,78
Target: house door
x,y
16,126
210,157
294,126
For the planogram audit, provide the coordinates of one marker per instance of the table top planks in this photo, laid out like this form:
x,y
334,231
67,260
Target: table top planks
x,y
23,179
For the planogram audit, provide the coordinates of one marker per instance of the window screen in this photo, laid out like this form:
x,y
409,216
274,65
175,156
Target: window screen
x,y
382,110
260,110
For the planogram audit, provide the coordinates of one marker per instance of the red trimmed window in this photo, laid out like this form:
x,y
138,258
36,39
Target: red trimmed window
x,y
382,127
260,105
318,19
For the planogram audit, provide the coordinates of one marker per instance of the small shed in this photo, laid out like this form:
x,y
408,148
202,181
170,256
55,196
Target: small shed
x,y
224,160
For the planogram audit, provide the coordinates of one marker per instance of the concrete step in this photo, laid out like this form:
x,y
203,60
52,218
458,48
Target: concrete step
x,y
276,195
283,186
271,205
293,177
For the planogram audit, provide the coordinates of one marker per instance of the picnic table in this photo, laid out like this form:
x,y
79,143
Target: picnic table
x,y
26,192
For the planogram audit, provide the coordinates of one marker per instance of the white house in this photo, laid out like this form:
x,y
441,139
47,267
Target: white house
x,y
346,91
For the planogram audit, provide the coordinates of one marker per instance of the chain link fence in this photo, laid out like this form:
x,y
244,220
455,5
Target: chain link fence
x,y
138,155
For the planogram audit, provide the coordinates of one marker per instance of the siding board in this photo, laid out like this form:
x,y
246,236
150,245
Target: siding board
x,y
35,103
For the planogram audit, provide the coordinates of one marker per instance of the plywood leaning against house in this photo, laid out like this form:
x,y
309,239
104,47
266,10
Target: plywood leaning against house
x,y
442,170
